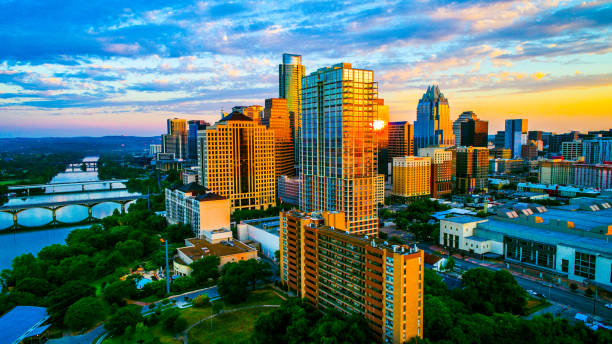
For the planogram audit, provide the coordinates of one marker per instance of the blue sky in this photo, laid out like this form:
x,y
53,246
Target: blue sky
x,y
72,68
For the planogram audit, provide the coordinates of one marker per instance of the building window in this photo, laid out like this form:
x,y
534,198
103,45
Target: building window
x,y
584,265
564,265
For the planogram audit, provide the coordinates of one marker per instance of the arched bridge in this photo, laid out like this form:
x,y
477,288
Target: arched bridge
x,y
51,188
15,210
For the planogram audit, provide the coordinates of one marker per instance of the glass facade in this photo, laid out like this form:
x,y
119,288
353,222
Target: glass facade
x,y
338,149
584,265
433,125
530,252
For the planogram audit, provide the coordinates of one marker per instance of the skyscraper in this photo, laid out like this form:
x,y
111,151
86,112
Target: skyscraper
x,y
471,169
516,135
433,126
381,133
338,156
464,117
276,118
175,140
236,159
475,133
192,137
401,139
290,74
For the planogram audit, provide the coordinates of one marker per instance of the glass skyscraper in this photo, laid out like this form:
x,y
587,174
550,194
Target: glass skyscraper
x,y
433,126
338,150
290,74
515,135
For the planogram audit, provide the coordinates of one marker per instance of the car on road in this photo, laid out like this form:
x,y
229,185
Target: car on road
x,y
532,293
608,305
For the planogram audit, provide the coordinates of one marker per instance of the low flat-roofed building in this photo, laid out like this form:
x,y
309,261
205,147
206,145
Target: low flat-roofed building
x,y
264,231
570,241
22,324
555,190
228,251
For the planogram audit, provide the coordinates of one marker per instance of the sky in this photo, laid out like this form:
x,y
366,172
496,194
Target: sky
x,y
106,67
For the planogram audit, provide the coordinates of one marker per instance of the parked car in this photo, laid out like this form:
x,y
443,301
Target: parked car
x,y
608,305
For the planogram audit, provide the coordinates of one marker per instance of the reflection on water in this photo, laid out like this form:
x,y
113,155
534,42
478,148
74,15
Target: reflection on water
x,y
14,243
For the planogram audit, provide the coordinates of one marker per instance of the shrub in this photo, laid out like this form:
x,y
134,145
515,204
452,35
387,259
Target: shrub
x,y
573,286
201,301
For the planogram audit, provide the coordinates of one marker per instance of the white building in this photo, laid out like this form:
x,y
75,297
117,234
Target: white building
x,y
571,241
264,231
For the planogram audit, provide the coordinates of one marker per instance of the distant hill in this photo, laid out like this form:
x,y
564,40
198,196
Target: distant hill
x,y
85,144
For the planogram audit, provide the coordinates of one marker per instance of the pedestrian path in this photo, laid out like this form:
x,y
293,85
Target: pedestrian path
x,y
86,338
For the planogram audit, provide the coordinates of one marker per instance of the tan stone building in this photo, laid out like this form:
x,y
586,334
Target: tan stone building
x,y
236,160
411,176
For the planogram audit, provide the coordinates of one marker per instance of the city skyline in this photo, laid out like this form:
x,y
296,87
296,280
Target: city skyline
x,y
121,71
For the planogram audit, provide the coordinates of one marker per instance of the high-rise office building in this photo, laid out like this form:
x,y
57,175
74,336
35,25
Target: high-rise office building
x,y
441,180
474,133
276,118
471,169
516,135
597,151
555,141
557,171
236,159
401,139
381,133
500,139
253,112
338,155
597,176
174,142
464,117
433,126
571,150
500,153
411,177
290,74
529,151
192,137
381,282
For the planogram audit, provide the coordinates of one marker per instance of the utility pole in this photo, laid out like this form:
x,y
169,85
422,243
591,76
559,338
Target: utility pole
x,y
595,301
167,269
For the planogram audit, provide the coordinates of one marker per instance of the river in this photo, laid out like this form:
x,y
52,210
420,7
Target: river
x,y
14,243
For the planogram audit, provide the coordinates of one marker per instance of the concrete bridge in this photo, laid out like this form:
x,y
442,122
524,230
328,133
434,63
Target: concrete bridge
x,y
53,187
55,206
76,167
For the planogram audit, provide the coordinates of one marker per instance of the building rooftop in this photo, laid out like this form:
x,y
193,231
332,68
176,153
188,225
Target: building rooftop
x,y
22,322
544,235
268,224
202,248
465,219
191,187
236,116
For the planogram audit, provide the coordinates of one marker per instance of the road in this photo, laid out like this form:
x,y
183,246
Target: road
x,y
574,300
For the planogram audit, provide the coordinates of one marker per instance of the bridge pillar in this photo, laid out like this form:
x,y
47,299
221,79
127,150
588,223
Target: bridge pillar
x,y
122,207
15,223
110,185
89,213
83,187
54,214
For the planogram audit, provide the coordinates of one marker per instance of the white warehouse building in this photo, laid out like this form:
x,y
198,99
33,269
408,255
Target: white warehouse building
x,y
264,231
571,241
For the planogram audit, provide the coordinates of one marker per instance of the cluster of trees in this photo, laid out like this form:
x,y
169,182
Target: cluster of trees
x,y
419,210
240,277
117,167
295,321
485,310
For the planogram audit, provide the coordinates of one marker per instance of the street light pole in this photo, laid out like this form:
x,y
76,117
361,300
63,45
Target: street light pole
x,y
167,269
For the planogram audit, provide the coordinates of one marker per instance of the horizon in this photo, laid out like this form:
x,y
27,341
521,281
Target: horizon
x,y
124,69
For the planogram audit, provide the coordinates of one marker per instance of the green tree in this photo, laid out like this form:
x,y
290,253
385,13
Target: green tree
x,y
201,301
433,284
61,298
36,286
125,317
84,314
130,249
183,284
217,307
118,291
205,270
178,232
450,263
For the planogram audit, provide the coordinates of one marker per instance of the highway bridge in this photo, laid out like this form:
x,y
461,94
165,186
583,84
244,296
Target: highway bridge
x,y
15,210
53,187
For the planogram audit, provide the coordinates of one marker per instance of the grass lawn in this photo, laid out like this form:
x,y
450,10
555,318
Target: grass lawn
x,y
233,327
534,305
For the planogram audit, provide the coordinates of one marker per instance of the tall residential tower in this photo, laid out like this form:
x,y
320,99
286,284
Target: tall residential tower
x,y
338,148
